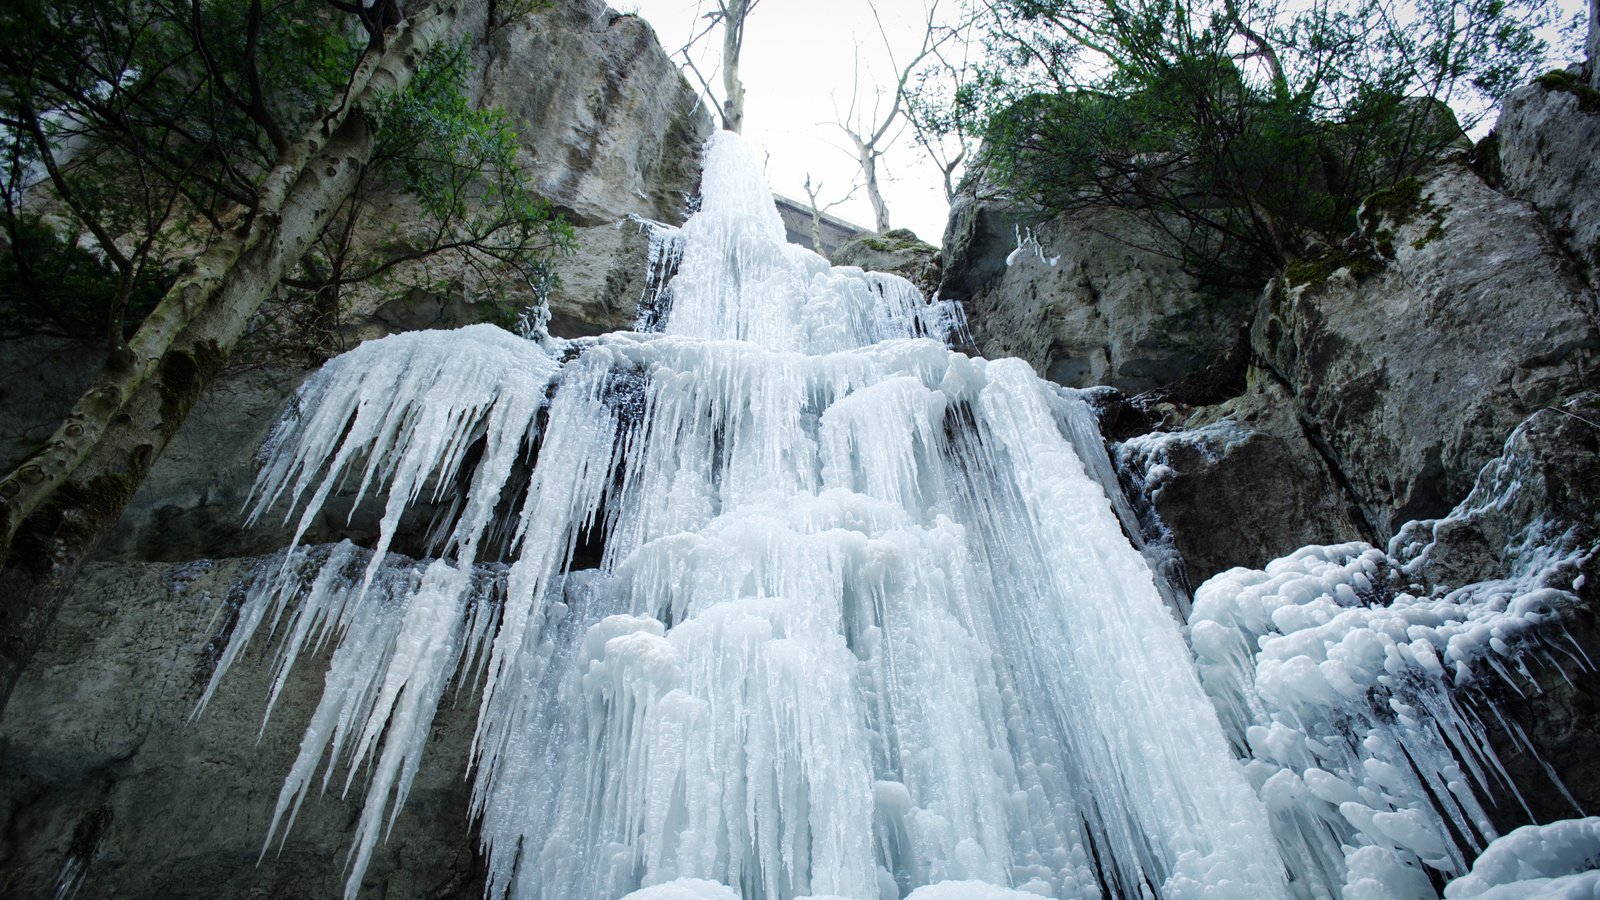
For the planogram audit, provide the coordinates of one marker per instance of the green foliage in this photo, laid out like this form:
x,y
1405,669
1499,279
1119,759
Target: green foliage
x,y
1566,82
52,285
160,118
1242,131
459,164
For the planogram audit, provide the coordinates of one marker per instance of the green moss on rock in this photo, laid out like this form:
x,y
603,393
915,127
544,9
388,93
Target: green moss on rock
x,y
1399,206
1318,269
1566,82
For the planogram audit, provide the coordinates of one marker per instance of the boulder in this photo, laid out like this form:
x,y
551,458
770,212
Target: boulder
x,y
1411,361
899,252
609,126
1089,298
1239,484
108,787
1547,135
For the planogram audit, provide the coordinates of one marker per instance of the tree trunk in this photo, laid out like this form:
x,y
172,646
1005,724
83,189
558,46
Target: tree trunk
x,y
869,172
1593,45
732,44
58,505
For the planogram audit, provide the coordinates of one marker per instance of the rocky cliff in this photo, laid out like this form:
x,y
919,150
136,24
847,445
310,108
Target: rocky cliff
x,y
1455,337
129,797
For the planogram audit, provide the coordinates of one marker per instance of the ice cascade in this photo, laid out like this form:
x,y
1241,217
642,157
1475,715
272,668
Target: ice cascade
x,y
850,615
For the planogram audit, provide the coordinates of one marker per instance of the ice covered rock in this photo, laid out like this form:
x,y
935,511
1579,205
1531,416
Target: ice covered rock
x,y
1238,485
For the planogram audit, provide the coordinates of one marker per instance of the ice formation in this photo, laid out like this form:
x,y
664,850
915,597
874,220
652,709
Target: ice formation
x,y
862,622
1350,690
778,597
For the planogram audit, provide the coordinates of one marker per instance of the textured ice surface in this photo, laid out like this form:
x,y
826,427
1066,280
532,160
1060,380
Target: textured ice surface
x,y
1343,685
862,622
1559,861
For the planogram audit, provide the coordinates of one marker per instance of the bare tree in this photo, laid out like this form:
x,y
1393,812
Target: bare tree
x,y
873,131
730,16
932,103
813,196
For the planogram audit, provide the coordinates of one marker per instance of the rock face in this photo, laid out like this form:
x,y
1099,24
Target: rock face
x,y
601,286
899,252
1410,370
1088,299
1547,136
1239,485
1540,515
609,125
127,797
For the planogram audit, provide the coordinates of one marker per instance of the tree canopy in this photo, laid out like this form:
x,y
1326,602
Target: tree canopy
x,y
1248,131
167,167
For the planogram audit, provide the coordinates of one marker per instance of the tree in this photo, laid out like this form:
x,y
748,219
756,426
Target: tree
x,y
872,131
730,16
818,208
186,110
1245,131
939,102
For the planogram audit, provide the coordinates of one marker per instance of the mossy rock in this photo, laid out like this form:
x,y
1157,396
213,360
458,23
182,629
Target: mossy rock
x,y
1399,206
1313,272
1566,82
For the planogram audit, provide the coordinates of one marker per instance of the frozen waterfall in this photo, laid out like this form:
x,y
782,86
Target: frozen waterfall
x,y
854,618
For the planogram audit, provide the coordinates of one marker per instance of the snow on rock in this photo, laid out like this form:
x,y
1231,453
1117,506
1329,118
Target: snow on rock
x,y
1559,861
1340,677
685,889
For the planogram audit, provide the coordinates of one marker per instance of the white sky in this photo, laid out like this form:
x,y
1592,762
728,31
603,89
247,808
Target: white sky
x,y
798,66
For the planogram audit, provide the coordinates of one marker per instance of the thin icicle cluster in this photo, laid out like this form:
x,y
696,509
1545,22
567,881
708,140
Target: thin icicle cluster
x,y
1347,693
863,622
404,631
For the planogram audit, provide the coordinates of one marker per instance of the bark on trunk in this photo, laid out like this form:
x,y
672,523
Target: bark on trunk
x,y
732,86
1593,45
869,173
26,489
57,506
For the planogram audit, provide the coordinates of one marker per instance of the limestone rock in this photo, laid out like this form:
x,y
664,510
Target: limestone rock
x,y
609,125
127,797
899,252
192,505
600,286
1239,484
1088,298
1412,364
1547,133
